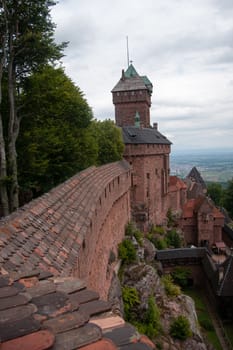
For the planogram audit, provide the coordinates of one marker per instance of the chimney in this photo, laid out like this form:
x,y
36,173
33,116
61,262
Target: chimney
x,y
155,126
123,75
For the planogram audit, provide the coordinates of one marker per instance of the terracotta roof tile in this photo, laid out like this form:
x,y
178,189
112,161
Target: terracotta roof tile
x,y
95,307
41,340
66,322
108,322
103,344
55,313
122,336
53,304
84,296
77,338
17,300
12,329
137,346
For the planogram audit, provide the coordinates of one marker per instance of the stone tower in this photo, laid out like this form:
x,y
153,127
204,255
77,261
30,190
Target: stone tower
x,y
131,95
146,149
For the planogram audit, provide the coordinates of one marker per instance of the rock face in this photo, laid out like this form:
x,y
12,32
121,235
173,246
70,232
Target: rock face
x,y
145,279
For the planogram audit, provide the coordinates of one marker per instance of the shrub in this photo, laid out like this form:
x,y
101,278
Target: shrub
x,y
157,229
171,289
127,251
131,300
150,321
159,243
180,328
173,239
131,231
170,218
180,276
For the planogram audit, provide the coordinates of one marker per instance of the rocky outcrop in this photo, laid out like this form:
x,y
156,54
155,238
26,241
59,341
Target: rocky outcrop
x,y
146,280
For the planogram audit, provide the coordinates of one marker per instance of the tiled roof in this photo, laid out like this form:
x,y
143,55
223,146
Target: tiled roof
x,y
49,231
175,183
194,205
194,175
131,80
60,313
134,135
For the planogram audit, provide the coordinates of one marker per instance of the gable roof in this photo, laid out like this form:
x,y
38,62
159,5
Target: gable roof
x,y
195,176
131,80
134,135
175,183
194,205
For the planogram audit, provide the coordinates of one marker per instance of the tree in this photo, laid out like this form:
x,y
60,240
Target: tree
x,y
215,191
27,43
110,143
228,198
55,139
173,239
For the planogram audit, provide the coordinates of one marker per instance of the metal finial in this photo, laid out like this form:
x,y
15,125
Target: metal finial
x,y
127,47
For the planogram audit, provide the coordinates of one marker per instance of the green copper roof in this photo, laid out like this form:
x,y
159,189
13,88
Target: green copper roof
x,y
131,72
131,81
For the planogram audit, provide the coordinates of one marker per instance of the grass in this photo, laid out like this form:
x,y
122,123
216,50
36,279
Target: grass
x,y
204,320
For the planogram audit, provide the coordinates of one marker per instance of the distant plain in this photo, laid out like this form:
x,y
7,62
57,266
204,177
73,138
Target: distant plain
x,y
214,166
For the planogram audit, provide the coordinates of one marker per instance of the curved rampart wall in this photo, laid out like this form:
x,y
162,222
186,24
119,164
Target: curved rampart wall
x,y
74,229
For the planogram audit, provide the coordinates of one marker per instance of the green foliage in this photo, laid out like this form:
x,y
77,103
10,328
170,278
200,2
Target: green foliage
x,y
131,300
173,239
132,231
151,319
148,322
157,229
159,243
170,218
27,44
127,251
109,140
171,289
206,324
215,191
180,276
180,328
55,141
228,198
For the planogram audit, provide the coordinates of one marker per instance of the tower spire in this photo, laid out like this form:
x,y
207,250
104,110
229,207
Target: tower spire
x,y
127,48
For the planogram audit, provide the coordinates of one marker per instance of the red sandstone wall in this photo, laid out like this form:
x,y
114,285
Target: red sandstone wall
x,y
150,172
127,103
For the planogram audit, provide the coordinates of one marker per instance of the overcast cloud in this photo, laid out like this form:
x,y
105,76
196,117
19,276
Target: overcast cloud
x,y
185,47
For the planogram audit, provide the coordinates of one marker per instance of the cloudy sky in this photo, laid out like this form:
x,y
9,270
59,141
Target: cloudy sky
x,y
185,47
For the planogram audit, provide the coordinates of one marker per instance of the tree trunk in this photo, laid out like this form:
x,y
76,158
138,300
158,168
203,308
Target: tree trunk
x,y
3,167
13,130
3,172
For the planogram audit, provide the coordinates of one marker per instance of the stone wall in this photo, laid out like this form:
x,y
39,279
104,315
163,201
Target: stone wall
x,y
149,182
127,103
73,230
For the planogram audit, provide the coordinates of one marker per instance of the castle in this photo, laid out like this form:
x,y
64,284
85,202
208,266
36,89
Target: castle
x,y
73,232
146,149
153,190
